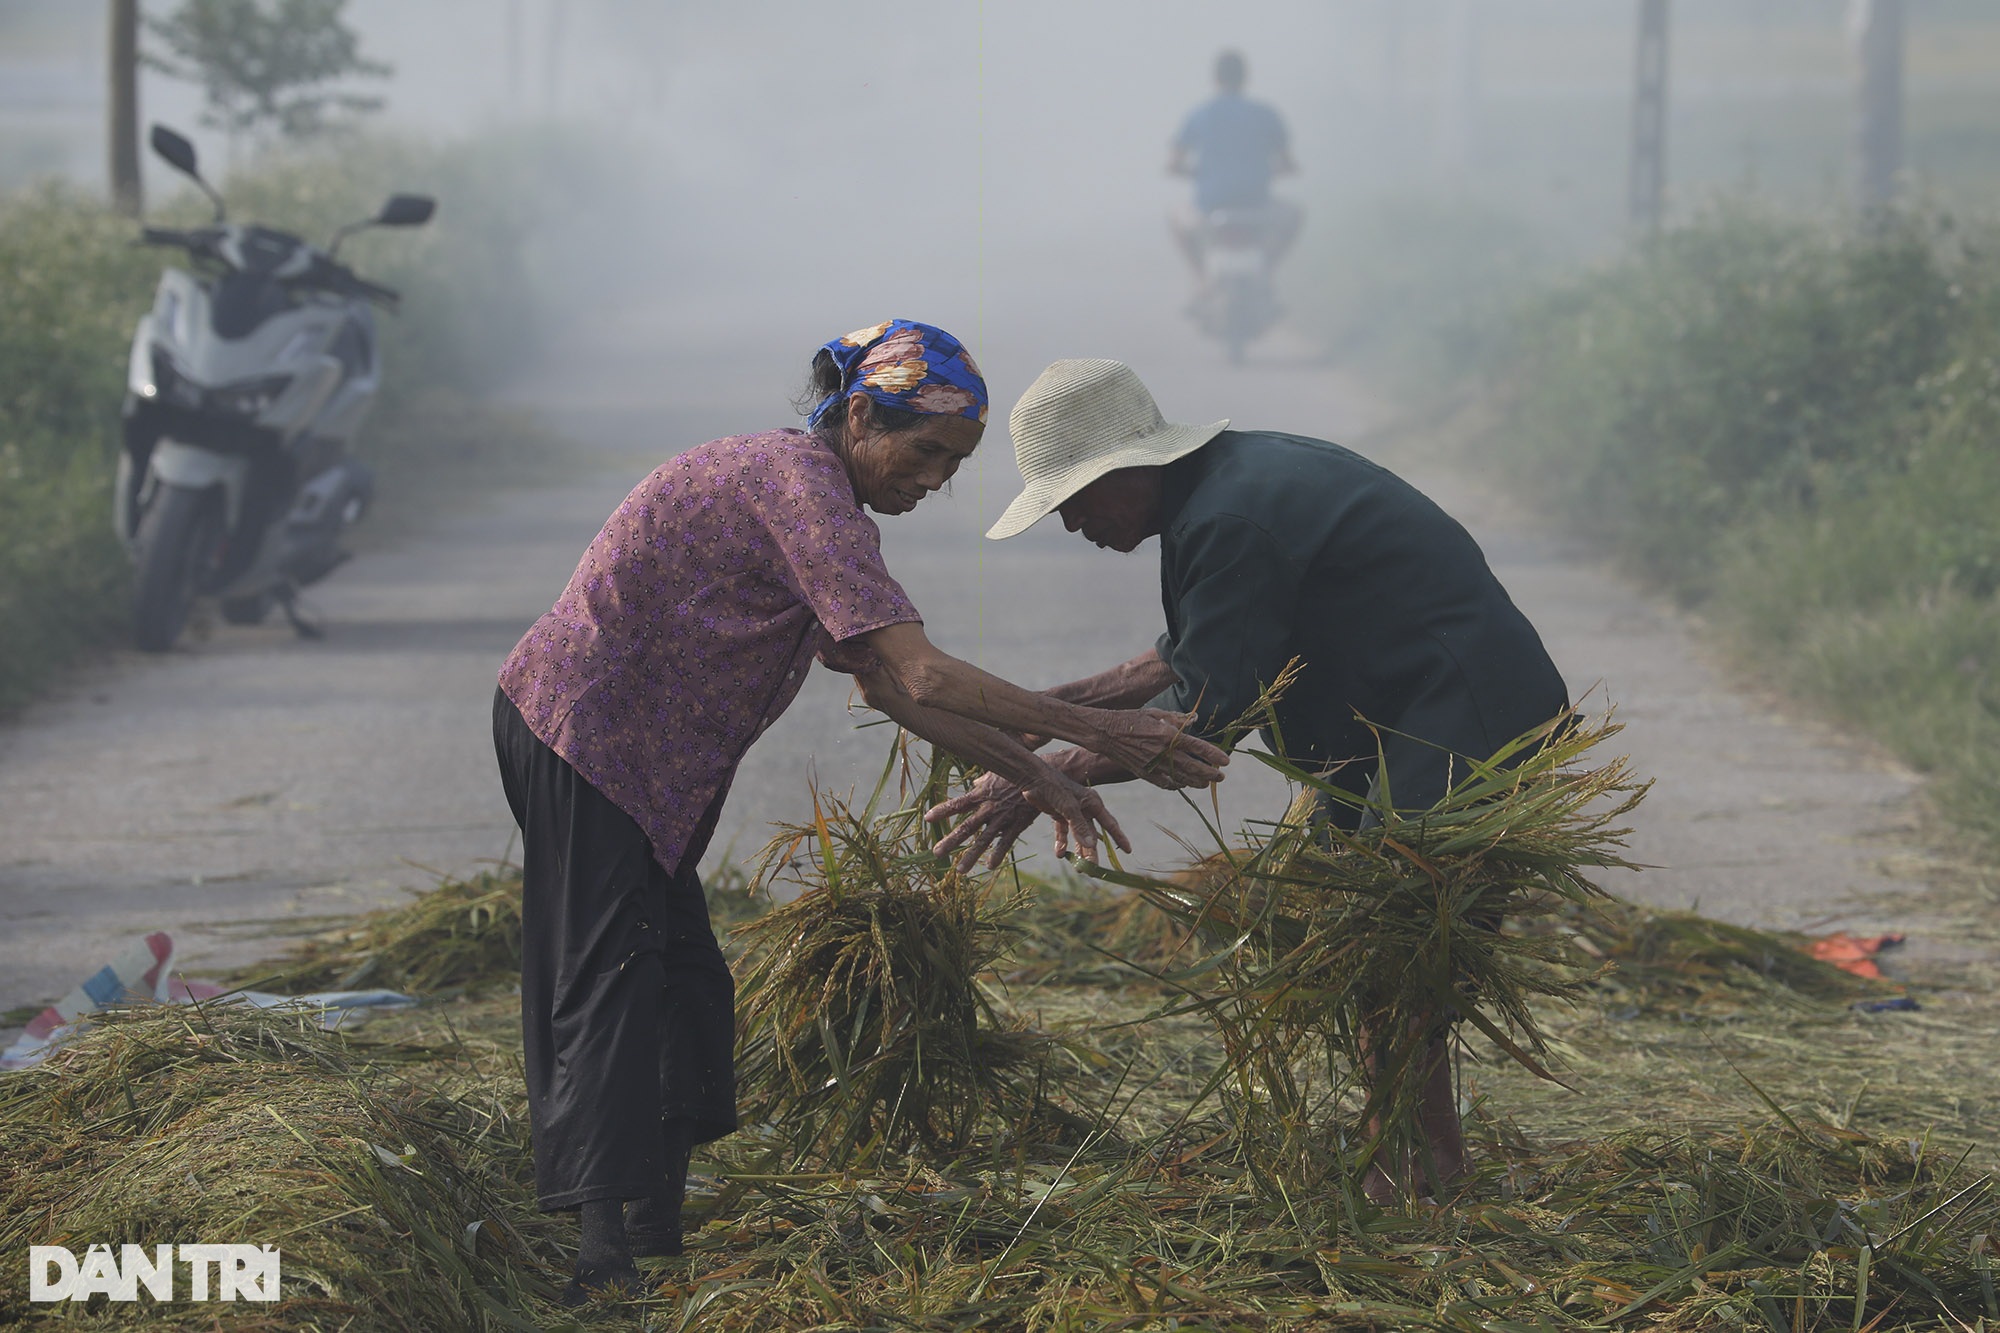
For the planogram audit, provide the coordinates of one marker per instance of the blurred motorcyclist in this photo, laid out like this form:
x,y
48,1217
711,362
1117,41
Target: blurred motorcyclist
x,y
1232,146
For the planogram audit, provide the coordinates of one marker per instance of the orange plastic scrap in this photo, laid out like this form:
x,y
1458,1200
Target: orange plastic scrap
x,y
1853,953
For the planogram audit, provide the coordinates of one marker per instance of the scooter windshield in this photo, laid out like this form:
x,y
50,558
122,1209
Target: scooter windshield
x,y
243,301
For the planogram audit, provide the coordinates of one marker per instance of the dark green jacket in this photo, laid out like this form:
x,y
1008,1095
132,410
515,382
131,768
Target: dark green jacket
x,y
1279,546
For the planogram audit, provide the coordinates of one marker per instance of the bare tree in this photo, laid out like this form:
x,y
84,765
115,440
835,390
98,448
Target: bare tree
x,y
122,108
267,64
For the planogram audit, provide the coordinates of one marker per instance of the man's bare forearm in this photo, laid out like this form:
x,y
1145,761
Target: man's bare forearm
x,y
1128,685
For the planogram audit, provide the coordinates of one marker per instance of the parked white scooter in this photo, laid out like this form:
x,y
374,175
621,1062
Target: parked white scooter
x,y
247,383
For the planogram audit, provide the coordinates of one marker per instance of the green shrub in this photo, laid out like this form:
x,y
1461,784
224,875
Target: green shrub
x,y
73,289
1797,428
1742,366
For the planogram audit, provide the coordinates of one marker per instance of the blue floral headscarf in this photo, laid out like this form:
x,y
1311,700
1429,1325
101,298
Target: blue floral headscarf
x,y
901,363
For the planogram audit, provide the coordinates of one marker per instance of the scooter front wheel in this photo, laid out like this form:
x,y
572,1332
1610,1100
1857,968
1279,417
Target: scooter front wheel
x,y
180,548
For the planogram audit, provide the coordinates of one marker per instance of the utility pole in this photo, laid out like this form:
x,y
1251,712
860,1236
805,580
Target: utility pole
x,y
1877,29
552,58
516,85
1459,92
1394,138
122,108
1649,118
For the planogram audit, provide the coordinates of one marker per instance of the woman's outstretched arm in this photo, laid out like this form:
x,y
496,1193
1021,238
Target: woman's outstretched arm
x,y
1075,810
1144,741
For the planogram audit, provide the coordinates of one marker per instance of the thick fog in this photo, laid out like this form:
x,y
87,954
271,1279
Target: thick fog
x,y
764,176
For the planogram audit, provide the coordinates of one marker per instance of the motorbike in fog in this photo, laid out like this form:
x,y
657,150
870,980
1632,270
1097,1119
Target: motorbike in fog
x,y
1237,301
247,383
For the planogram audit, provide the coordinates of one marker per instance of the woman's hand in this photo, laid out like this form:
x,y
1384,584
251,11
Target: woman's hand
x,y
1153,744
997,812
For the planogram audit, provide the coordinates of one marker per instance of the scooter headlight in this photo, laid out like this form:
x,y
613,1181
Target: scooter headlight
x,y
250,398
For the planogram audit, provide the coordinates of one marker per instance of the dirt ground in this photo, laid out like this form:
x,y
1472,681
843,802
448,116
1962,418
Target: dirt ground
x,y
250,779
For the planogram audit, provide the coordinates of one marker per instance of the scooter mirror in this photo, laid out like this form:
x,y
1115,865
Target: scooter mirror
x,y
178,152
406,210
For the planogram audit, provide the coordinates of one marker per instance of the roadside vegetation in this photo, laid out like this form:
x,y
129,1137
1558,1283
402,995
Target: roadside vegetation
x,y
1794,428
73,292
1789,424
75,286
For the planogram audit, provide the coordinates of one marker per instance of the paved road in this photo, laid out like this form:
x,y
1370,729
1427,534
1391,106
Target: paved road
x,y
253,778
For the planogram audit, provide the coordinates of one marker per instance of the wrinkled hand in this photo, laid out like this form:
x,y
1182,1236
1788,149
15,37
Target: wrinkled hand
x,y
1154,744
996,813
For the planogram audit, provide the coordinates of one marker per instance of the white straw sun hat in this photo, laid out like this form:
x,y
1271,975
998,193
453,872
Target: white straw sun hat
x,y
1080,420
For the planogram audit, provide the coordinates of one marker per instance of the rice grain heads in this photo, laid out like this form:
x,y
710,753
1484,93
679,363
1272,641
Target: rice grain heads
x,y
394,1206
862,1020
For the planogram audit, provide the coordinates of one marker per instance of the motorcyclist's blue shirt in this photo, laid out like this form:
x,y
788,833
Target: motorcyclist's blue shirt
x,y
1235,145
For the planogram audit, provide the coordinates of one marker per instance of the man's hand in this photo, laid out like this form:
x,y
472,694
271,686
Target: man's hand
x,y
997,813
1153,744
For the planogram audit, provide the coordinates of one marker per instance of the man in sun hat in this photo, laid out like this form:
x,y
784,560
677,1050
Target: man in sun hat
x,y
1276,547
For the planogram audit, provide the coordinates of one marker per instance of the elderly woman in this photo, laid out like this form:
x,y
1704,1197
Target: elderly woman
x,y
623,713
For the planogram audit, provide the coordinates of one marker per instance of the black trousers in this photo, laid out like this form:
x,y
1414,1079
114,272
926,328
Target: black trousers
x,y
627,1005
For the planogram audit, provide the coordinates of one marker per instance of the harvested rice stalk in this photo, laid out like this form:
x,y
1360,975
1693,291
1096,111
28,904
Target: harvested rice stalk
x,y
1679,961
463,935
1690,1229
1332,952
861,1020
393,1207
1084,933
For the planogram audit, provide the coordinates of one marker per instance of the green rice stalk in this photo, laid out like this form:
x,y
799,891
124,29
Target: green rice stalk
x,y
1331,952
1082,932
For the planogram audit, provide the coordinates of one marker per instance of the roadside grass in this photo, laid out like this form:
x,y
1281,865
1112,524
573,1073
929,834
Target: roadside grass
x,y
73,289
76,286
1794,428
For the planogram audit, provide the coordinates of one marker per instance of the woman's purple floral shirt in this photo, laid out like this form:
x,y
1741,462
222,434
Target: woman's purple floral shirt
x,y
692,619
